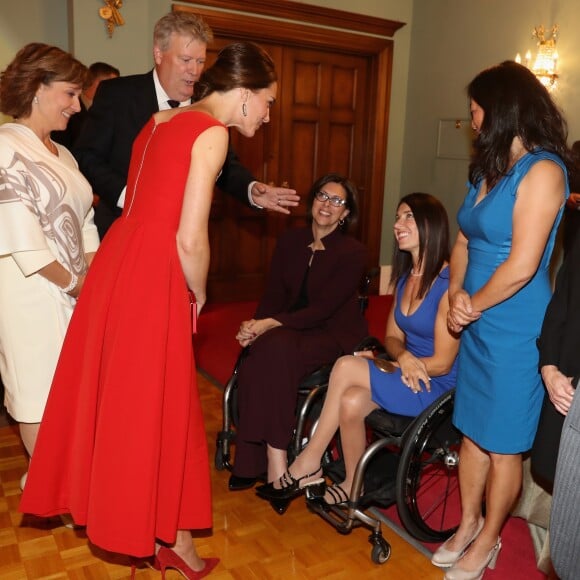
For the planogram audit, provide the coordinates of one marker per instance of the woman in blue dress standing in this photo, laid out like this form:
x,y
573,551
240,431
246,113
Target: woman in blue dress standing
x,y
499,289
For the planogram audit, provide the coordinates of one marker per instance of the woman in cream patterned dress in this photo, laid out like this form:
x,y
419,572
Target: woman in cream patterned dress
x,y
47,235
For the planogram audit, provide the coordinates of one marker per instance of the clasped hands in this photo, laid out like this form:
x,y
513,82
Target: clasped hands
x,y
251,329
461,312
274,198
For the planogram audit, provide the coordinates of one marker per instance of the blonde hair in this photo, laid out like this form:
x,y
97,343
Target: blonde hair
x,y
184,24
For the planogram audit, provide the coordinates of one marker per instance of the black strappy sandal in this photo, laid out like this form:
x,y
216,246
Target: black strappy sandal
x,y
289,487
338,497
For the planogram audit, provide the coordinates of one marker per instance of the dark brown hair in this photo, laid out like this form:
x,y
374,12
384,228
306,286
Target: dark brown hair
x,y
100,70
515,104
33,65
239,65
433,226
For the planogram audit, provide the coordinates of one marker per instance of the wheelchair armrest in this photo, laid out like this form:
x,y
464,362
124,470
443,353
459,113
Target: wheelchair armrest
x,y
371,343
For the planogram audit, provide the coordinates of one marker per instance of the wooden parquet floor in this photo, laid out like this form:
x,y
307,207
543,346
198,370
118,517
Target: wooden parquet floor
x,y
252,540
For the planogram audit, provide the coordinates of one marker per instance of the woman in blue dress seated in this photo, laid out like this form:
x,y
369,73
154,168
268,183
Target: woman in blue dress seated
x,y
499,290
418,341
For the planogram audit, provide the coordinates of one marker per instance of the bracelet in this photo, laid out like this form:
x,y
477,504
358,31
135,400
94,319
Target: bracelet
x,y
74,280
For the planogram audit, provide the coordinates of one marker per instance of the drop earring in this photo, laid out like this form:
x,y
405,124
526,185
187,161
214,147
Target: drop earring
x,y
244,110
341,222
35,100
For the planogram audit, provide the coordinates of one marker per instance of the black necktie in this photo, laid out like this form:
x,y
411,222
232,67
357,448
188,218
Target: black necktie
x,y
173,103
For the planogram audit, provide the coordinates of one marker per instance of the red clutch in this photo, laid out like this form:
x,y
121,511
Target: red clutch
x,y
193,312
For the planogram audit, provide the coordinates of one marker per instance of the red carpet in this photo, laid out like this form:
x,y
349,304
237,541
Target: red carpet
x,y
516,560
216,351
215,345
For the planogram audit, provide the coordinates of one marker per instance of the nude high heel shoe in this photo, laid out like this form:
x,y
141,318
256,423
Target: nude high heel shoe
x,y
457,573
167,558
444,558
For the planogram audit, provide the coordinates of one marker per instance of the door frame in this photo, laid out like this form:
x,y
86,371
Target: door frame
x,y
242,19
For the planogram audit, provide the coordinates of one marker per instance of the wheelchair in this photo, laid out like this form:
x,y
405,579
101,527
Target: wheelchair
x,y
422,458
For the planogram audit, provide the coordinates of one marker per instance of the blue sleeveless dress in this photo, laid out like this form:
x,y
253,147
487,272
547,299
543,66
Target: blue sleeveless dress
x,y
387,389
499,389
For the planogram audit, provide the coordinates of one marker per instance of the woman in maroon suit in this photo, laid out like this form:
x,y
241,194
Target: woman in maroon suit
x,y
308,317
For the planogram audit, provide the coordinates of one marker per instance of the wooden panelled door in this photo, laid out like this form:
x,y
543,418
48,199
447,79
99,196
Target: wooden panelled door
x,y
324,120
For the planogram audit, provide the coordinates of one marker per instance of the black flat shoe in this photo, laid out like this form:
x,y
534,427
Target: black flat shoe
x,y
237,483
289,487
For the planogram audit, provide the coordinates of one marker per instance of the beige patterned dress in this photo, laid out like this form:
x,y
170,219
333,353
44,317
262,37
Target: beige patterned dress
x,y
45,215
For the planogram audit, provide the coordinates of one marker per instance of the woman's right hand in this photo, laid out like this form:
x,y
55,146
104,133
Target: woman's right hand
x,y
559,388
461,311
413,372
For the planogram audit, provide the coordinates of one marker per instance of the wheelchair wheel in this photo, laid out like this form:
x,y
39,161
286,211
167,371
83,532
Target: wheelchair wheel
x,y
427,488
380,553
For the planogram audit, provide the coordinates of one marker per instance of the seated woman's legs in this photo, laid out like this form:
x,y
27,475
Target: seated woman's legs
x,y
348,402
267,388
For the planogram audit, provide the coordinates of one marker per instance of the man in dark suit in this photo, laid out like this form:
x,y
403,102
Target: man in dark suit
x,y
98,71
123,106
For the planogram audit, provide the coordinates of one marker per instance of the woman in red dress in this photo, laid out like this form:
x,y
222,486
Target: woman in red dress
x,y
122,446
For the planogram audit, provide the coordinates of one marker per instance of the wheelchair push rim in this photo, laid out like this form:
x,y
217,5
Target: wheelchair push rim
x,y
427,488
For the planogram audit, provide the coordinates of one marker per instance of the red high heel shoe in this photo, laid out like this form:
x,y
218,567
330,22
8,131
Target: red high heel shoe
x,y
167,558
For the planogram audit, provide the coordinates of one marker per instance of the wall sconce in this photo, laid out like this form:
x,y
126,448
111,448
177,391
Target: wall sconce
x,y
111,14
545,65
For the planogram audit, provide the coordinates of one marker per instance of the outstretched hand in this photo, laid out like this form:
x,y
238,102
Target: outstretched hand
x,y
274,198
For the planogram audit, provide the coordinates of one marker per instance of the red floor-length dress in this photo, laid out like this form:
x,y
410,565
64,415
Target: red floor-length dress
x,y
122,445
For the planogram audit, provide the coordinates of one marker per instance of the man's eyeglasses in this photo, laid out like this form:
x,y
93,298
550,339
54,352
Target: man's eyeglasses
x,y
335,200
